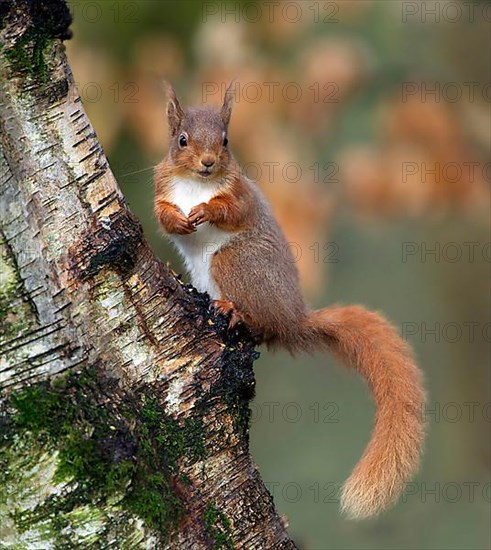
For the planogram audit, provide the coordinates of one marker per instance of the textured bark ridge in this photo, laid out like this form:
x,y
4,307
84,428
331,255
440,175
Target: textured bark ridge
x,y
124,401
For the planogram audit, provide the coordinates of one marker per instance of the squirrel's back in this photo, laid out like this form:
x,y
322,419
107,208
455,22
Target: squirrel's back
x,y
259,273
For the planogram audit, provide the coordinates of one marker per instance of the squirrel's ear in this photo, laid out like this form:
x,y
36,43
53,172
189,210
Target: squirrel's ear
x,y
175,114
228,99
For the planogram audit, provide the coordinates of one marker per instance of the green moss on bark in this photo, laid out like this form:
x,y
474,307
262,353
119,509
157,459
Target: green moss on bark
x,y
125,452
41,23
28,54
218,527
16,312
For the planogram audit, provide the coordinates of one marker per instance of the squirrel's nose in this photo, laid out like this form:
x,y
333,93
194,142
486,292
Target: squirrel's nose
x,y
208,162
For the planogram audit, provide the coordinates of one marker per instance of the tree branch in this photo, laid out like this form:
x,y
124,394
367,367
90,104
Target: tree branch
x,y
124,405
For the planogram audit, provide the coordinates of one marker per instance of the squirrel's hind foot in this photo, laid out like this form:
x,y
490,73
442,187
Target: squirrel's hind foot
x,y
229,308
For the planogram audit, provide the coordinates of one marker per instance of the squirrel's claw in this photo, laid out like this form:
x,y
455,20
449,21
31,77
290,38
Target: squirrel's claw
x,y
229,308
199,214
183,227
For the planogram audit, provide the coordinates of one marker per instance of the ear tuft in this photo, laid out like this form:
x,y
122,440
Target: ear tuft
x,y
228,99
175,113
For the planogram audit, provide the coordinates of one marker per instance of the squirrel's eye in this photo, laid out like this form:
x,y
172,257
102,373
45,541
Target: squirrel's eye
x,y
225,141
182,140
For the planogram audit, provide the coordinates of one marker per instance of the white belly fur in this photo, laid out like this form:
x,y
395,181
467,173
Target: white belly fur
x,y
198,248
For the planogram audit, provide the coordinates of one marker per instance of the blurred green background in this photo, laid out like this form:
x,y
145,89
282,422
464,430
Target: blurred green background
x,y
383,110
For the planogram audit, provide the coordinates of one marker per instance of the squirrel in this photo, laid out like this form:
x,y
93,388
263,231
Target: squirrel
x,y
234,250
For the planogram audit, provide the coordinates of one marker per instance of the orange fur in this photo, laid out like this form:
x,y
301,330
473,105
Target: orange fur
x,y
257,281
170,218
367,342
229,210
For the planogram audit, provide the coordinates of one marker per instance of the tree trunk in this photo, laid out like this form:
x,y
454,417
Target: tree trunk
x,y
124,401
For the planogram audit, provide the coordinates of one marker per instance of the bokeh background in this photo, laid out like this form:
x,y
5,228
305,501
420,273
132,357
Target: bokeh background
x,y
367,124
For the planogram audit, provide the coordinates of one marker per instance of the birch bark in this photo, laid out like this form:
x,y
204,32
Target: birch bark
x,y
123,400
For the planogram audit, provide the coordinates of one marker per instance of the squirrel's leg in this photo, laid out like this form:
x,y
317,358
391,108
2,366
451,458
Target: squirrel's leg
x,y
229,308
171,218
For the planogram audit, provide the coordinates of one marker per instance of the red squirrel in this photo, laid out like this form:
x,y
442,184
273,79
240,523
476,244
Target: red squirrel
x,y
235,251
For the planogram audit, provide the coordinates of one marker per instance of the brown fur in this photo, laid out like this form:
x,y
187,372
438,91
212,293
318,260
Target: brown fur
x,y
230,210
258,281
171,219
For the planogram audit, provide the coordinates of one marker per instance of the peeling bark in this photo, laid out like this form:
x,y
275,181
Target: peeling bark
x,y
124,401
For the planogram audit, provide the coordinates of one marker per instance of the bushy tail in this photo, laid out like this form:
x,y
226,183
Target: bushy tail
x,y
367,342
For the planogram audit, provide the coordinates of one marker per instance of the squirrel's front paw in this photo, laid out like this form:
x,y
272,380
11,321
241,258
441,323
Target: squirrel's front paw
x,y
199,214
181,226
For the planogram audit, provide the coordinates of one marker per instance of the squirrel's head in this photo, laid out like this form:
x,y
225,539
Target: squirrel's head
x,y
198,137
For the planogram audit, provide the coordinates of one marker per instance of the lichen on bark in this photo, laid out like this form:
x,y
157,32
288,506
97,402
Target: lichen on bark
x,y
17,314
79,463
122,457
